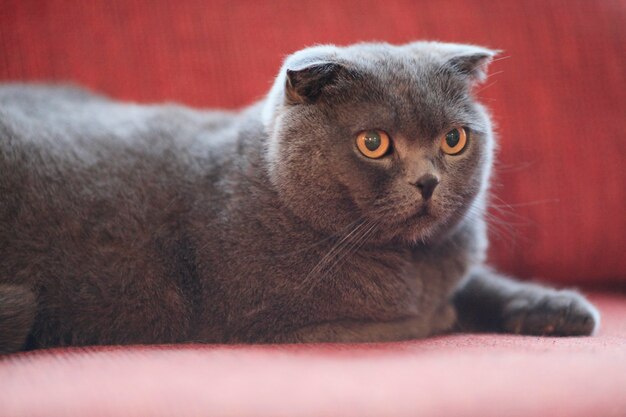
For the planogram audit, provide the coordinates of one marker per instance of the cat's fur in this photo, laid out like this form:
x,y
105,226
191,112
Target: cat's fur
x,y
122,223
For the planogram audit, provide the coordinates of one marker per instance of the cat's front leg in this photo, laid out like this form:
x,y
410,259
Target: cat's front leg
x,y
488,301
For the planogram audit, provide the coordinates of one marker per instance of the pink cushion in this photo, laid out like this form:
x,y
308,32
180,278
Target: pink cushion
x,y
456,375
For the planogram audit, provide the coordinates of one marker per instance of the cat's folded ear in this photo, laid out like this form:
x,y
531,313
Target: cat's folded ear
x,y
468,61
473,64
305,83
305,77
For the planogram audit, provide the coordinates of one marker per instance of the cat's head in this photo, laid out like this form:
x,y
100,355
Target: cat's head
x,y
387,137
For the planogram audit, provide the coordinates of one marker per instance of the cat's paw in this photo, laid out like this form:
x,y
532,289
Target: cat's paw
x,y
550,313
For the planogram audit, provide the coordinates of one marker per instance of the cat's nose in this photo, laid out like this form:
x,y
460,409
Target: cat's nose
x,y
426,184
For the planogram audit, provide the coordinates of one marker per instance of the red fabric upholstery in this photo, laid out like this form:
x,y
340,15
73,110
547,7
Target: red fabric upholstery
x,y
559,97
457,375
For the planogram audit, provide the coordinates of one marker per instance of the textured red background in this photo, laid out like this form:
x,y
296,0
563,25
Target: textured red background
x,y
559,97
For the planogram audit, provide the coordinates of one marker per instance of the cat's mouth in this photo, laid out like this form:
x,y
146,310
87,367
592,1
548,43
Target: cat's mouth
x,y
424,210
422,213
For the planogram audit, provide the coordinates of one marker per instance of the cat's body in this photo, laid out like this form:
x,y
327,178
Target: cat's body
x,y
155,224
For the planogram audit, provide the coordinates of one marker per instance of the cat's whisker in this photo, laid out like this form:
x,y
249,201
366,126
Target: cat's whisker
x,y
500,58
501,228
352,249
355,246
319,242
493,73
485,87
357,240
502,167
330,254
494,224
357,237
508,210
525,204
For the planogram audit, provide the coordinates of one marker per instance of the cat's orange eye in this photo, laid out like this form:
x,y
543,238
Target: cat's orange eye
x,y
454,141
373,143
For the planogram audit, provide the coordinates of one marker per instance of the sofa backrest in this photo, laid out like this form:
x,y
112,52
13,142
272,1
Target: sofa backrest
x,y
558,95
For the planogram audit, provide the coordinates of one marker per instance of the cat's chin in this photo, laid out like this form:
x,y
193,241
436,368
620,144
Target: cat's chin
x,y
424,224
419,229
419,226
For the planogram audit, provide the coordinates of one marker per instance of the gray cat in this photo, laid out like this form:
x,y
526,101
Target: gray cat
x,y
348,206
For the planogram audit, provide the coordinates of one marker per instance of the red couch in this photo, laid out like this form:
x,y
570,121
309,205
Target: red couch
x,y
558,96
